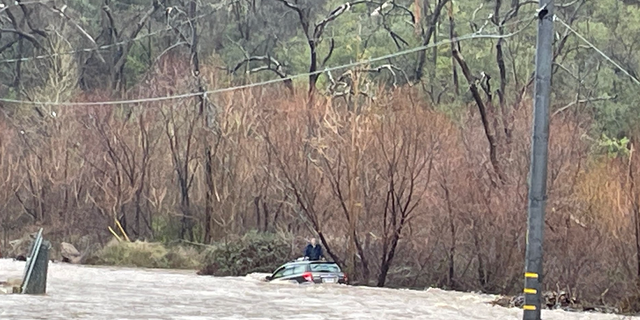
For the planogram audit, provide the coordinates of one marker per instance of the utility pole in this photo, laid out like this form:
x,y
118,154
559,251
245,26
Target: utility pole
x,y
539,155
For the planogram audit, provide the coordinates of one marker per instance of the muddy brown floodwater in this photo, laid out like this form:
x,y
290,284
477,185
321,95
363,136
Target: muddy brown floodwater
x,y
83,292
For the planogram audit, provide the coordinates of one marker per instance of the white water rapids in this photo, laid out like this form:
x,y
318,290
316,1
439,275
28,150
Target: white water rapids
x,y
83,292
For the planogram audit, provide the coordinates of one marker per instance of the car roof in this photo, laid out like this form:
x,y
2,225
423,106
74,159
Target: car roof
x,y
305,262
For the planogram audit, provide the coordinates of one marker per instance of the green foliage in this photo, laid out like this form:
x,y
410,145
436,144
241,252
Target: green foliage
x,y
614,147
269,28
137,63
165,229
181,257
254,252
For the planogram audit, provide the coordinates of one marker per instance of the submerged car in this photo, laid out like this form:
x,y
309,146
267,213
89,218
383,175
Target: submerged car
x,y
305,271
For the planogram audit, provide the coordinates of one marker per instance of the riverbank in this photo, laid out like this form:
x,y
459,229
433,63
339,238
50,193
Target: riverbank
x,y
260,253
91,292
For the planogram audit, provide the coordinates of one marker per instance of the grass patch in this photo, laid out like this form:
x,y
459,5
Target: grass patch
x,y
146,255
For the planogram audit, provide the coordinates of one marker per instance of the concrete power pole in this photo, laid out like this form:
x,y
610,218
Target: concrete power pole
x,y
539,155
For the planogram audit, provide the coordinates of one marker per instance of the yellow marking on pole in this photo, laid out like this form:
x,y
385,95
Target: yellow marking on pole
x,y
531,275
529,307
114,234
530,291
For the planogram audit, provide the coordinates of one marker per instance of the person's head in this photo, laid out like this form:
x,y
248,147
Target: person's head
x,y
313,241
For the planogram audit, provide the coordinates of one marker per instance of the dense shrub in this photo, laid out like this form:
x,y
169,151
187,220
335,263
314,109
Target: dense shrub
x,y
254,252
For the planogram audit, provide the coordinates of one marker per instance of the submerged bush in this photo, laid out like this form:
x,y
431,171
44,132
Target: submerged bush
x,y
254,252
145,255
180,257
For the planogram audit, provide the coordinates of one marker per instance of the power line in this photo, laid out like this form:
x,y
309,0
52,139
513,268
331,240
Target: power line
x,y
472,36
592,46
263,83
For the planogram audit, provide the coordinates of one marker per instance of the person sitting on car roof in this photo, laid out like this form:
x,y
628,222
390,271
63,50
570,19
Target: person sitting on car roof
x,y
313,251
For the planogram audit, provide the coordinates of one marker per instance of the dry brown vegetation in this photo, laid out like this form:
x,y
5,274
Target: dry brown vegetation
x,y
398,193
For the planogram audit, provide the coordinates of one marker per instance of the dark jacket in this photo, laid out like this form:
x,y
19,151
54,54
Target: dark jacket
x,y
313,253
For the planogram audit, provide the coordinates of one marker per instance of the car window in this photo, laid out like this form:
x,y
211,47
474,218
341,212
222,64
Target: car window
x,y
279,273
324,267
288,271
300,269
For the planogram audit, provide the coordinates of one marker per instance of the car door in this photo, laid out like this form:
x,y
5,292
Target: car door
x,y
298,273
288,273
284,273
278,274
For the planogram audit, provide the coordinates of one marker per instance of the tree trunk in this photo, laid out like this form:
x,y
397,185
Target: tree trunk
x,y
384,268
208,208
493,144
636,210
432,23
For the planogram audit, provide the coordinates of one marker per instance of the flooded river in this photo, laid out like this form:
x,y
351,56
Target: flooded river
x,y
83,292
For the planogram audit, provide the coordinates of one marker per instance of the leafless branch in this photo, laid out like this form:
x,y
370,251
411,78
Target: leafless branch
x,y
271,64
23,34
581,101
331,48
84,33
391,69
8,45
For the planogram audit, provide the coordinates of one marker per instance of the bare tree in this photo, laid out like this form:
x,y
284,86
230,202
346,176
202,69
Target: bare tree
x,y
313,31
296,177
24,31
9,185
180,129
120,39
343,155
408,152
